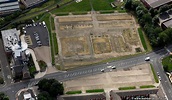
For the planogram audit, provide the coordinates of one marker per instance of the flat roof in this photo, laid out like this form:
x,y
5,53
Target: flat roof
x,y
32,2
168,23
10,37
9,6
157,3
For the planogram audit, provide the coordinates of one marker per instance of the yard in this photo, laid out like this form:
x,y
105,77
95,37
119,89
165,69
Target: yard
x,y
167,63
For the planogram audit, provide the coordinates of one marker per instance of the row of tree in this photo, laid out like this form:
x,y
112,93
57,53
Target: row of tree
x,y
149,20
49,89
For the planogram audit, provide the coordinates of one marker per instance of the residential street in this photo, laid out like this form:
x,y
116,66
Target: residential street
x,y
4,65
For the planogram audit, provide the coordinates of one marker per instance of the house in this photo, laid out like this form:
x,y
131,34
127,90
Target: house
x,y
32,3
8,6
155,3
90,96
20,69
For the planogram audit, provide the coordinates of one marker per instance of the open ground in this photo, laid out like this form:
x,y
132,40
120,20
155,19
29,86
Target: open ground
x,y
96,37
134,76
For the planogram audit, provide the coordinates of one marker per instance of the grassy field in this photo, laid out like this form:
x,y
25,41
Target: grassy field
x,y
74,7
154,74
95,90
147,86
167,63
127,88
74,92
142,38
101,5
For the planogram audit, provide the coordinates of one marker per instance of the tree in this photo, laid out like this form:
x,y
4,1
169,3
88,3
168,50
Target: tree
x,y
44,96
128,4
155,20
56,89
135,4
163,8
153,12
51,86
3,96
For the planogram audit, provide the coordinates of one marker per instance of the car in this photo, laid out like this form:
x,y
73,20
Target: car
x,y
38,41
159,78
102,70
113,67
158,73
147,59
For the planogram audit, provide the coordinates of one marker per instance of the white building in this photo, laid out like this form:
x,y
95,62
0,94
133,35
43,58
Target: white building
x,y
10,38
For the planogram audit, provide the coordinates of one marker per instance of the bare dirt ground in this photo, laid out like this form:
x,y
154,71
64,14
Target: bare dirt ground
x,y
43,53
134,76
96,37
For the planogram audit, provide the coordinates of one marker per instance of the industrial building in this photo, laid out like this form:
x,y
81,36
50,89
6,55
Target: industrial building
x,y
32,3
155,3
8,6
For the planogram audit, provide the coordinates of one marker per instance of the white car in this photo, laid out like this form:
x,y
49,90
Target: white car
x,y
147,58
113,67
102,70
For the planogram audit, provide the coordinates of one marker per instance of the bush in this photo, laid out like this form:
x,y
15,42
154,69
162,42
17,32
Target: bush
x,y
74,92
127,88
147,86
95,90
42,65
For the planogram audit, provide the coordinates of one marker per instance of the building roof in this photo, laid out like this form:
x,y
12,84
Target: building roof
x,y
168,23
10,38
117,95
157,3
29,3
137,92
95,96
9,6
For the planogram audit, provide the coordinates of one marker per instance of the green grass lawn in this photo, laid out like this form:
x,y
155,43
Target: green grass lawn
x,y
74,92
52,23
74,7
55,43
32,70
167,63
154,74
142,38
95,90
147,86
101,5
127,88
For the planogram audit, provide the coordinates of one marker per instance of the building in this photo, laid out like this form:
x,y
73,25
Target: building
x,y
90,96
8,6
139,94
10,38
32,3
155,3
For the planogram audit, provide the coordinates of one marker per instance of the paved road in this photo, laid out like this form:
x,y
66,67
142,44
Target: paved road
x,y
86,71
4,65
